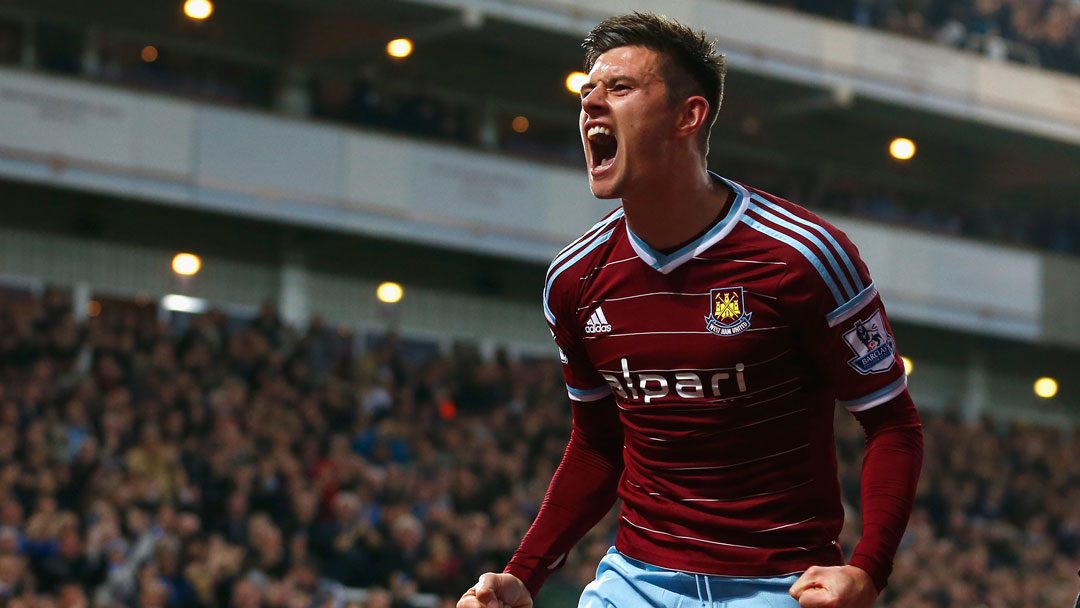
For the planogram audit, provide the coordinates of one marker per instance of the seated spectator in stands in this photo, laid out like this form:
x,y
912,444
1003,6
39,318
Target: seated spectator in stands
x,y
211,487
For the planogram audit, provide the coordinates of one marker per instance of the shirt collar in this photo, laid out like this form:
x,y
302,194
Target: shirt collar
x,y
665,263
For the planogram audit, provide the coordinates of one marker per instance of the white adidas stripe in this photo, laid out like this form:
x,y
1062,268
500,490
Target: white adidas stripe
x,y
600,314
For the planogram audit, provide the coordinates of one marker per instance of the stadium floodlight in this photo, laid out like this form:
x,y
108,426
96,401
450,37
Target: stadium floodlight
x,y
908,365
179,303
198,9
902,148
520,124
186,264
389,292
1046,387
399,48
576,80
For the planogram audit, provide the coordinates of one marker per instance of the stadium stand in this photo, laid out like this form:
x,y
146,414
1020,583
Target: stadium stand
x,y
1049,29
1039,32
154,458
239,462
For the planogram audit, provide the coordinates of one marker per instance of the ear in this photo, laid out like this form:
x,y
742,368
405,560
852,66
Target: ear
x,y
693,112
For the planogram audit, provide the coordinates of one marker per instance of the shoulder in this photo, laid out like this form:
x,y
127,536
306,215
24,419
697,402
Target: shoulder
x,y
820,256
787,221
576,259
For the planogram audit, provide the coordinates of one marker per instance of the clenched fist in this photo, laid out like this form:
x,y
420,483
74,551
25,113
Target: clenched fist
x,y
496,591
833,587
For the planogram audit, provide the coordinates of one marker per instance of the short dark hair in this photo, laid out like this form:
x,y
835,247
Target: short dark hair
x,y
691,67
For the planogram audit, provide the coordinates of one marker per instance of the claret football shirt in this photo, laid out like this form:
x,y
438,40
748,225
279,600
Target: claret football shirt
x,y
726,359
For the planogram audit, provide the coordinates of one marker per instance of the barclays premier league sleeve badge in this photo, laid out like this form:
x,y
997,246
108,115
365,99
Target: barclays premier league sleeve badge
x,y
727,312
875,351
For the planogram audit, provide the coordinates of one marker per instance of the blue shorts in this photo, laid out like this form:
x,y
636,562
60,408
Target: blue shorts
x,y
623,582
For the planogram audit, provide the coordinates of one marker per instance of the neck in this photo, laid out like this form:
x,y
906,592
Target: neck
x,y
678,206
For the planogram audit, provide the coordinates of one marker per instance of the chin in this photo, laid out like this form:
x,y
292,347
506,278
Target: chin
x,y
604,192
607,187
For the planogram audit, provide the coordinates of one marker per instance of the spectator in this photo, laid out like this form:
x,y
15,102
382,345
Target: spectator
x,y
203,469
1046,32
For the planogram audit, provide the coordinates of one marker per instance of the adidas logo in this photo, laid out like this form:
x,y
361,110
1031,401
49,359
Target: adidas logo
x,y
598,323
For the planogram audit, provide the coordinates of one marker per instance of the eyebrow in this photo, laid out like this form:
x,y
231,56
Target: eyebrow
x,y
610,80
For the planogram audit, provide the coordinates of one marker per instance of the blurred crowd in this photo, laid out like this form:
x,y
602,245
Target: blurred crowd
x,y
1053,228
1039,32
224,462
995,522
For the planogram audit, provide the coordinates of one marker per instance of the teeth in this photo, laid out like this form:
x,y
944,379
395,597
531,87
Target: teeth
x,y
598,130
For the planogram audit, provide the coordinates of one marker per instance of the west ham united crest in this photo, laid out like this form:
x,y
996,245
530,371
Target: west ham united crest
x,y
727,312
874,349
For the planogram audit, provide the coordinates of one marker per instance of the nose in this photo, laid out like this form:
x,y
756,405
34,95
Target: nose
x,y
593,103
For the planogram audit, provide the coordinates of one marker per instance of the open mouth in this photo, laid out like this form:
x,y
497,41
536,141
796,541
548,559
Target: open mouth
x,y
603,147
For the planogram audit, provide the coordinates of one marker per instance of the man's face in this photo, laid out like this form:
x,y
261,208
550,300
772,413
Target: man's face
x,y
625,121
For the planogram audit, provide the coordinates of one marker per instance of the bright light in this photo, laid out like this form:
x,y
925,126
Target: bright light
x,y
520,124
401,47
1046,387
908,365
389,292
902,148
178,303
186,264
576,80
149,54
198,9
